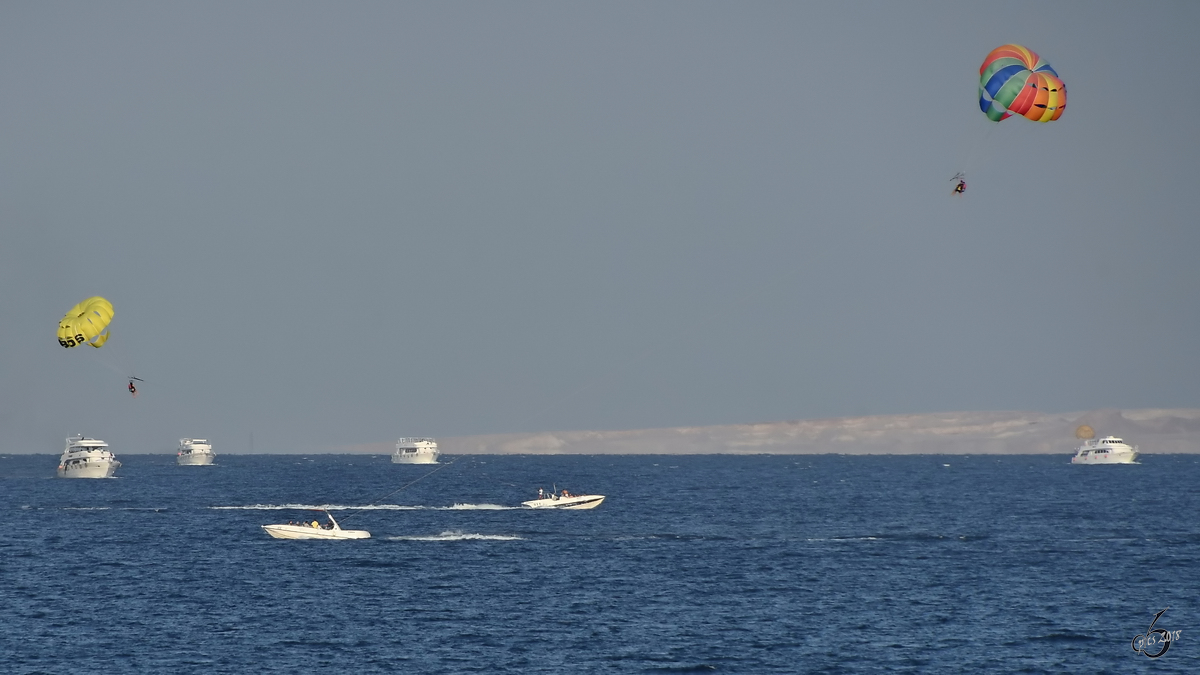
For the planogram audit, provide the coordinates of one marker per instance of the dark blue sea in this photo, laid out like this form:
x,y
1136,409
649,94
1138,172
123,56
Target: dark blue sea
x,y
762,564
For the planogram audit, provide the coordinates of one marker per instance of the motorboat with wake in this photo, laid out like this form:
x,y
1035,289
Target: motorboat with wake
x,y
195,452
314,530
565,500
87,458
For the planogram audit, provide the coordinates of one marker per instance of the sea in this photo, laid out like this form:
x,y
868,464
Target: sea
x,y
693,564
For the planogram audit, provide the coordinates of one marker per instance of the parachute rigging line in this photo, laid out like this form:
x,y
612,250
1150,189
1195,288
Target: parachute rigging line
x,y
402,487
980,141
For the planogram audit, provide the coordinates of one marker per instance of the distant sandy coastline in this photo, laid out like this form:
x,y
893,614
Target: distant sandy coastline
x,y
1154,431
1165,431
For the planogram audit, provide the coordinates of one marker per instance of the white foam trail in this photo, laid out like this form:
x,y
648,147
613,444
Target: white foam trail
x,y
315,507
479,507
456,535
371,507
109,508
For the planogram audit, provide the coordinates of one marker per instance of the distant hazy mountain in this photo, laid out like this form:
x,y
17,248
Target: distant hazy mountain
x,y
1154,431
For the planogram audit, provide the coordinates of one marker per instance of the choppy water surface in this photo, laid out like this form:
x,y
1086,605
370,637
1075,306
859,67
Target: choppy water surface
x,y
693,564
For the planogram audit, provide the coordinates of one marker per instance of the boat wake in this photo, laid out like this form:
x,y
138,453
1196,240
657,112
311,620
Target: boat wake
x,y
149,509
371,507
457,535
478,507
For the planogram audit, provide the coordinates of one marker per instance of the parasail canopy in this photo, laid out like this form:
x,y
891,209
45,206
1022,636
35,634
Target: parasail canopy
x,y
1015,80
86,322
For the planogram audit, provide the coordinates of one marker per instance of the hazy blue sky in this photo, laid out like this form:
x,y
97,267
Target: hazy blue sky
x,y
336,223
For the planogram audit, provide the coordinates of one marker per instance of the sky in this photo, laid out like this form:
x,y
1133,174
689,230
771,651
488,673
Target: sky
x,y
327,224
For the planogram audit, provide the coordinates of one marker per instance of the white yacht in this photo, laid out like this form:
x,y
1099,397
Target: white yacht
x,y
87,458
1107,450
566,500
195,452
415,451
314,530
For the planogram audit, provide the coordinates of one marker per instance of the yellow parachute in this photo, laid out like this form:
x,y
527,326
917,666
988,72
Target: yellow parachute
x,y
87,322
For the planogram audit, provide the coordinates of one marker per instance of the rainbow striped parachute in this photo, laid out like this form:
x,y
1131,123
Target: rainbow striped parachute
x,y
1014,80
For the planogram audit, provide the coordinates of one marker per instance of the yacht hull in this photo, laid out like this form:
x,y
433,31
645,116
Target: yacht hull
x,y
574,503
89,470
1110,458
414,459
196,459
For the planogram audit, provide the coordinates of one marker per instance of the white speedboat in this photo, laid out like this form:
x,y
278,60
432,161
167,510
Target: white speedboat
x,y
565,500
87,458
415,451
314,530
195,452
1107,450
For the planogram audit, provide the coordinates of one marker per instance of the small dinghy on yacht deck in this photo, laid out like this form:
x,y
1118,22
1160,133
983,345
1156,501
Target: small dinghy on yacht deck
x,y
315,530
566,500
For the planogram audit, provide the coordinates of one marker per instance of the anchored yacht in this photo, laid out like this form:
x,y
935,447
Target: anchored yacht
x,y
87,458
1107,450
195,452
415,451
